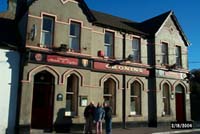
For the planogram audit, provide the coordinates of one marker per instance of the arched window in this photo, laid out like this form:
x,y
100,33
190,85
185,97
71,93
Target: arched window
x,y
72,95
135,98
110,93
166,99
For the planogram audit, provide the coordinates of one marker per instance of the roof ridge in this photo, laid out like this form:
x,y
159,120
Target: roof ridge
x,y
160,15
92,10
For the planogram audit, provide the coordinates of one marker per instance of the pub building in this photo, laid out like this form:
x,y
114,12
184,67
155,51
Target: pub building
x,y
75,55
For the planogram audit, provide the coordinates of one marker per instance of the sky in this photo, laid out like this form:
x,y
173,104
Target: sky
x,y
187,13
3,5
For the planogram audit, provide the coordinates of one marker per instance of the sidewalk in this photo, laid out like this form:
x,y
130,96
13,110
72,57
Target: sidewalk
x,y
150,130
136,130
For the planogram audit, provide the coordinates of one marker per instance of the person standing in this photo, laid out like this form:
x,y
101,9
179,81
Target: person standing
x,y
99,116
89,113
108,118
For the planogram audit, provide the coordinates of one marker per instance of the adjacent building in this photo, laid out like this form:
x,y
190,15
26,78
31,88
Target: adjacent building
x,y
75,55
9,70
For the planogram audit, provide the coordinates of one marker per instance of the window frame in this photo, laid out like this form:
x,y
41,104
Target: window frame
x,y
166,99
164,54
111,94
178,56
52,18
138,60
137,98
111,45
74,93
78,37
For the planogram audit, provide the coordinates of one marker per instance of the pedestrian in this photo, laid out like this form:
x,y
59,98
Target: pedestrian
x,y
99,116
108,118
89,117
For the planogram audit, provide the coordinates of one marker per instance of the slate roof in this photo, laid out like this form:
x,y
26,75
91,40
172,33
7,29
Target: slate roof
x,y
148,27
117,23
152,25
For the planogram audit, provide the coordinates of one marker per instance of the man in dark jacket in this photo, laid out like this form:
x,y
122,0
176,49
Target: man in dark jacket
x,y
89,114
108,118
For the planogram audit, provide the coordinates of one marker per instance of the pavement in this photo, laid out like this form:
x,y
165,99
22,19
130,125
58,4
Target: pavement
x,y
142,130
148,130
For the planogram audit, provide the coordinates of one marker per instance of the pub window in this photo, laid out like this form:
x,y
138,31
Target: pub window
x,y
136,49
47,31
135,98
164,53
72,95
166,99
110,94
74,36
109,44
178,56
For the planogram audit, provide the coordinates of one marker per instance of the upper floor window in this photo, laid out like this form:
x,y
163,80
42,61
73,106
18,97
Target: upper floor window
x,y
47,31
164,53
74,36
136,49
178,56
109,44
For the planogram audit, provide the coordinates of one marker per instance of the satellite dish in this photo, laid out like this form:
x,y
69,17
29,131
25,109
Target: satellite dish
x,y
33,33
130,57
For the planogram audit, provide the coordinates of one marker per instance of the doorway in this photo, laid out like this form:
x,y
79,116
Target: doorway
x,y
43,99
180,104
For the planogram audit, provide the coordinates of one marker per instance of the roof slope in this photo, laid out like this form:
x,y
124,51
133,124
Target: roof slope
x,y
152,25
117,23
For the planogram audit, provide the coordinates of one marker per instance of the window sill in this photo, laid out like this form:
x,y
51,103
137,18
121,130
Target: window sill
x,y
75,116
134,115
166,116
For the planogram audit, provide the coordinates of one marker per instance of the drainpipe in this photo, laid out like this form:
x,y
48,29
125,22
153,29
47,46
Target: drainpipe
x,y
124,84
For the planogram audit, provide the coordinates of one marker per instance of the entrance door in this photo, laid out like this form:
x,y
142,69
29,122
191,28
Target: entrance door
x,y
42,105
180,104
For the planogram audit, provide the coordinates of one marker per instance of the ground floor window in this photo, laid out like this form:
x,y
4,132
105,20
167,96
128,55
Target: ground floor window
x,y
166,99
110,93
135,98
72,95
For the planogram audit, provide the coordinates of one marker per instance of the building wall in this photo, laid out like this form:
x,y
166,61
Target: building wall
x,y
92,79
92,37
171,35
9,70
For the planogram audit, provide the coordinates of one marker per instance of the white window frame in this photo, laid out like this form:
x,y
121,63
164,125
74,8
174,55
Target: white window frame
x,y
44,32
75,47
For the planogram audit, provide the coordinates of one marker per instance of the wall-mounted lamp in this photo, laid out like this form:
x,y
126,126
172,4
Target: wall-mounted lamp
x,y
59,97
172,95
163,113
